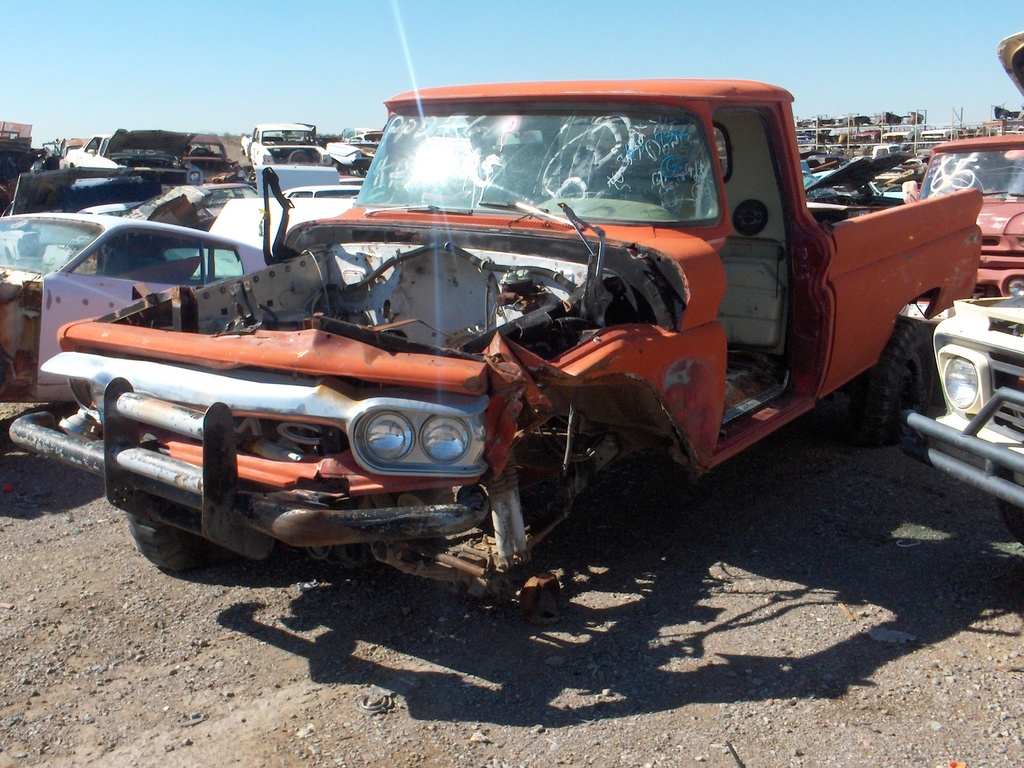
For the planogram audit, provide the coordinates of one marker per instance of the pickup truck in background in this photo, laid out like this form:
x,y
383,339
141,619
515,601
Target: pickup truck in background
x,y
90,154
536,280
283,144
994,165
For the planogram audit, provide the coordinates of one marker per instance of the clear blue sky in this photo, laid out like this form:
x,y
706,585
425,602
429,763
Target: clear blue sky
x,y
73,69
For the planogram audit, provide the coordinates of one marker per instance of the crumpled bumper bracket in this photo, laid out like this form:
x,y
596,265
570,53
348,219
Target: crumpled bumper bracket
x,y
999,463
244,523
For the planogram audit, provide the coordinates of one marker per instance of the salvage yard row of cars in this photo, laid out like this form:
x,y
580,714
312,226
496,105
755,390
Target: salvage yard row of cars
x,y
534,281
64,256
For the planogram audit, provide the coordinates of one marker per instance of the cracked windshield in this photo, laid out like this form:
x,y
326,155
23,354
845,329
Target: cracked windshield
x,y
997,173
608,166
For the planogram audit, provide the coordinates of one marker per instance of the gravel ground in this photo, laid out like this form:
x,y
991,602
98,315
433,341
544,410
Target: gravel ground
x,y
806,604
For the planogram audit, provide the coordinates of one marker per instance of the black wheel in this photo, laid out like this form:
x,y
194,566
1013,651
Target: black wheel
x,y
1013,516
902,379
173,549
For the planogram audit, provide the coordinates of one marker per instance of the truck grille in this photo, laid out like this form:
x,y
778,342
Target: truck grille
x,y
1007,372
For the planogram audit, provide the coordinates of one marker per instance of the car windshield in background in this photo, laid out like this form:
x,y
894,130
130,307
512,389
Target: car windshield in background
x,y
630,167
288,137
43,245
997,173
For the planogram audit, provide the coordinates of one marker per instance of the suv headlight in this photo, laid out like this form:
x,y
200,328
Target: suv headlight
x,y
444,439
387,436
1015,286
961,382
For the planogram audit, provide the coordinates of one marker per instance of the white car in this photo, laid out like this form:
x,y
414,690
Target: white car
x,y
283,144
91,154
56,268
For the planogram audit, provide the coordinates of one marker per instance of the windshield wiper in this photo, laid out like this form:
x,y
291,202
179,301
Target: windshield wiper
x,y
433,209
527,210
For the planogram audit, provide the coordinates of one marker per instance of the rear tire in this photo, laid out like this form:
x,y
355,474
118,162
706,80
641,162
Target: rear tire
x,y
902,379
173,549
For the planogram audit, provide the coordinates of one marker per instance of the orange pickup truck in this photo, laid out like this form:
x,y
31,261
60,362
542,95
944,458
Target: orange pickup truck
x,y
536,280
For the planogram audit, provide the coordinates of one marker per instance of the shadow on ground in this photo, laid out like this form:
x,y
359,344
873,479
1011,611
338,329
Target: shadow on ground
x,y
654,570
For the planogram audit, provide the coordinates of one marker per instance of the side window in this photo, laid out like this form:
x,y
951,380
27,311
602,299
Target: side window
x,y
224,262
155,257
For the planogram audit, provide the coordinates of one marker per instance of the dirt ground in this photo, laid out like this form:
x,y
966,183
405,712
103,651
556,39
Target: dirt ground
x,y
806,604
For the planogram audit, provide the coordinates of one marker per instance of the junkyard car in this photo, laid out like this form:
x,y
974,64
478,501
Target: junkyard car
x,y
994,165
209,155
980,438
278,143
55,268
854,184
88,154
354,153
536,280
159,155
204,204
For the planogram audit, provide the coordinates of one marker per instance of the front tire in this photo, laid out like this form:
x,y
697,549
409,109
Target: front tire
x,y
902,379
1013,516
173,549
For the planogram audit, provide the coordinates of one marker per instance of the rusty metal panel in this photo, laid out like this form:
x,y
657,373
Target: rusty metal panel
x,y
20,304
310,352
882,263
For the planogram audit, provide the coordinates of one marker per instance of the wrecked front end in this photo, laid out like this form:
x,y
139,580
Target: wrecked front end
x,y
386,392
397,375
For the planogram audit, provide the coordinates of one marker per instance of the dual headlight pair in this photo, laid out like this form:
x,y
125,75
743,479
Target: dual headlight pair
x,y
393,441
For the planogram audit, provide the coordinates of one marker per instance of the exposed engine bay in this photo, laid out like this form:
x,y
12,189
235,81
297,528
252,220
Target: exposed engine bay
x,y
415,287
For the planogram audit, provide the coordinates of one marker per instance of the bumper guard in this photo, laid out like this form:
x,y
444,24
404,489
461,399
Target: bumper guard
x,y
214,508
996,467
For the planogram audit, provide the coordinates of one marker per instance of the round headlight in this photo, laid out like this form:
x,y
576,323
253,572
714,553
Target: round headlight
x,y
445,439
387,436
961,382
1015,287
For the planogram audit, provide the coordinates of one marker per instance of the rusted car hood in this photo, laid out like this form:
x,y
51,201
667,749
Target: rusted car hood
x,y
1000,217
166,142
